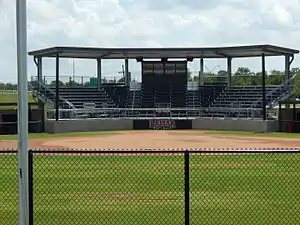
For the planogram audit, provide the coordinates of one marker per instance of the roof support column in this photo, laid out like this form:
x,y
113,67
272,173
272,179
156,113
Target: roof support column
x,y
229,71
127,78
99,72
57,89
263,72
39,73
39,78
201,72
286,67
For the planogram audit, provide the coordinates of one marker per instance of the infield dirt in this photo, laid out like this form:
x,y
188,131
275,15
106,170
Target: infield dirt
x,y
159,140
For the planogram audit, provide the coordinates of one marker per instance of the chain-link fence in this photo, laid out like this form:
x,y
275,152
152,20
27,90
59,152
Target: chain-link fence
x,y
166,187
8,187
155,187
245,188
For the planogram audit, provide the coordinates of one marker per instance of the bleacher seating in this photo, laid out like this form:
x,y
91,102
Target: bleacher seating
x,y
133,99
193,99
244,96
162,94
148,96
118,94
48,95
178,96
203,97
170,91
238,101
80,95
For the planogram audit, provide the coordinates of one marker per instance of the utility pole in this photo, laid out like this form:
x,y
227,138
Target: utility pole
x,y
21,19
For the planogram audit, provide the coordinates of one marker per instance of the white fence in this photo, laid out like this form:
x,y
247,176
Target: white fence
x,y
12,92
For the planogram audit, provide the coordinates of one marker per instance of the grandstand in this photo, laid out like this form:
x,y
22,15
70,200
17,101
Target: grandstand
x,y
164,86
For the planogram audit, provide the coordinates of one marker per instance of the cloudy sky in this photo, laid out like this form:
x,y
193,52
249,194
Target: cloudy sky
x,y
148,23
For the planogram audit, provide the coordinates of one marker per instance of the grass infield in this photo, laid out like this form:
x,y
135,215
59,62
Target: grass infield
x,y
225,189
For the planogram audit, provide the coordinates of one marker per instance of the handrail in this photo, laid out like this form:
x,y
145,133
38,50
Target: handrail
x,y
54,94
282,86
160,109
182,113
133,100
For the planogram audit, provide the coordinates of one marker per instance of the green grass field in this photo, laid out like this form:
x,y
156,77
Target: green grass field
x,y
12,98
225,189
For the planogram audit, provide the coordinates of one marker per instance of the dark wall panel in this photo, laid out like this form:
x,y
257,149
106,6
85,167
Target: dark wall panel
x,y
162,124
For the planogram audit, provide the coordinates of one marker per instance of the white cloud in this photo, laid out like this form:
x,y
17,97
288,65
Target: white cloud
x,y
149,23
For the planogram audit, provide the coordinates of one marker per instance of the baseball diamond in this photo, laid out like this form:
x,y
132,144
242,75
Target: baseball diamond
x,y
159,150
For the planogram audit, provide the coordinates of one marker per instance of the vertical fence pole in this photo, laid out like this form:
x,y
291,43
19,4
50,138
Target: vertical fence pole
x,y
30,187
186,188
21,30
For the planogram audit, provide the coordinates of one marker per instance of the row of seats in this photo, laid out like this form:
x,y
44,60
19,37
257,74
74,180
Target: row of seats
x,y
118,94
163,90
78,96
243,101
245,97
203,97
220,101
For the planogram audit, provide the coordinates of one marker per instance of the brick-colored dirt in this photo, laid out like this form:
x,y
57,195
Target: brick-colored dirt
x,y
158,140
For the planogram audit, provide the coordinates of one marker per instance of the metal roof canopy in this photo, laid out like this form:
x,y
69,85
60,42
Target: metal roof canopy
x,y
157,53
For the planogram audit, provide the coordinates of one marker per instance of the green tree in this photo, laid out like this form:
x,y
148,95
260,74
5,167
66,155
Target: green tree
x,y
2,86
275,77
10,86
222,73
60,83
297,85
244,71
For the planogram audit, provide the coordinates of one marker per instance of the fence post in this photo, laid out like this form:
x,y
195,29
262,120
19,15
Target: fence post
x,y
186,188
30,186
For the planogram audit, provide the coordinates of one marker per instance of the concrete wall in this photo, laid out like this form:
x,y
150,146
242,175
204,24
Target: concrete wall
x,y
235,125
127,124
65,126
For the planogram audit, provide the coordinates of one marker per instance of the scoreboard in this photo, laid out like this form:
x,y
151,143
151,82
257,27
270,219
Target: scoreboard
x,y
164,68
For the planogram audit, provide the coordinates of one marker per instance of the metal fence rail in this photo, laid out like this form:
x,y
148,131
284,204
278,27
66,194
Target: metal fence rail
x,y
155,187
175,113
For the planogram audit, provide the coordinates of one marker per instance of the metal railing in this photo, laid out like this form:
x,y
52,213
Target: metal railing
x,y
172,113
171,187
285,89
43,96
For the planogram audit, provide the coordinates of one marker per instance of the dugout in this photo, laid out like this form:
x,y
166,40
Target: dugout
x,y
9,118
289,116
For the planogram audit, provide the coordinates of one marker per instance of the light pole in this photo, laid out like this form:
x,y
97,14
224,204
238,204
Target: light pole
x,y
21,19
